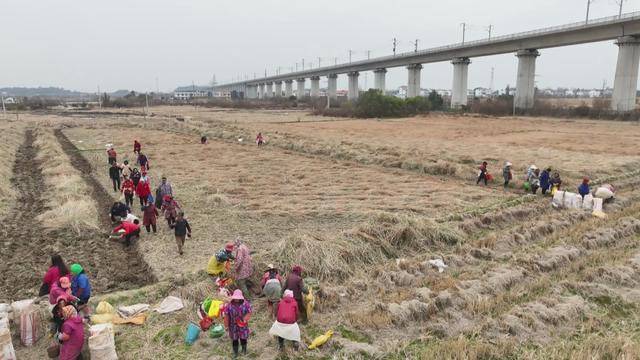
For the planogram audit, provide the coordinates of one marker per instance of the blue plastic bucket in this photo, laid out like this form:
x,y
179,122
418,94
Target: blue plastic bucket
x,y
193,331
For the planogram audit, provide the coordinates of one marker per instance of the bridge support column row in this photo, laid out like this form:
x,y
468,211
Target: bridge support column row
x,y
379,79
332,86
261,91
268,93
354,91
413,85
460,75
278,92
315,87
625,84
526,80
288,88
300,88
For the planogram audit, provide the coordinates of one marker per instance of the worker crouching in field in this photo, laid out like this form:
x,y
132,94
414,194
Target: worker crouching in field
x,y
286,325
236,321
182,230
584,189
119,211
555,182
271,285
507,174
127,231
482,173
136,147
295,283
221,261
72,335
80,288
545,176
534,180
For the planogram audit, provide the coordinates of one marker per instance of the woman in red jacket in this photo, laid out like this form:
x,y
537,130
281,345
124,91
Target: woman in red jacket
x,y
127,190
286,325
57,270
143,191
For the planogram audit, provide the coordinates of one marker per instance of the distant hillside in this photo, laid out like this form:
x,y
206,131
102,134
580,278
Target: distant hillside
x,y
52,92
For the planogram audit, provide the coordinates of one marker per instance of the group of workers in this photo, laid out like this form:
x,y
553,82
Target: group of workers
x,y
285,298
69,291
131,182
546,180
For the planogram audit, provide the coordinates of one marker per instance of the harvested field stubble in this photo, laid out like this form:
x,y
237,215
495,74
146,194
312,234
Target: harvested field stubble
x,y
351,203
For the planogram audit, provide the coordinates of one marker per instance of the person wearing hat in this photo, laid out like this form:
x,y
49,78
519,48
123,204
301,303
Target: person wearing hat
x,y
221,261
271,285
61,288
507,174
534,180
56,312
182,230
243,266
236,321
71,335
286,325
295,283
584,189
80,285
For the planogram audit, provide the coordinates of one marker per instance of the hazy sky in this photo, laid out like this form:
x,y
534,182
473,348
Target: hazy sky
x,y
120,44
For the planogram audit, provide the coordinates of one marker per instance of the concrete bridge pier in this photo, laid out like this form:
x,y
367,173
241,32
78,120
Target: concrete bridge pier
x,y
379,79
261,91
288,88
300,88
459,93
332,86
315,87
278,88
625,84
268,92
354,91
526,81
413,85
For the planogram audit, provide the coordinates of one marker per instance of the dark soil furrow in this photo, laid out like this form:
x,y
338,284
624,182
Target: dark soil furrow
x,y
125,266
21,250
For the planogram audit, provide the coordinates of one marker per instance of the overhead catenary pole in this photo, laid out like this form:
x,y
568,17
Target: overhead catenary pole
x,y
620,2
415,48
464,31
350,52
395,45
489,29
99,98
586,21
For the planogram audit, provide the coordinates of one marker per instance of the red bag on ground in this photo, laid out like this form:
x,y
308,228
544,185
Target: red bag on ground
x,y
206,323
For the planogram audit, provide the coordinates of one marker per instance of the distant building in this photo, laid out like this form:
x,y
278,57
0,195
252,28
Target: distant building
x,y
192,92
10,100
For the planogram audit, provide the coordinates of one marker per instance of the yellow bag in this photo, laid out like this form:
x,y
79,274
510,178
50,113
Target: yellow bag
x,y
320,340
104,308
214,309
310,302
102,318
554,188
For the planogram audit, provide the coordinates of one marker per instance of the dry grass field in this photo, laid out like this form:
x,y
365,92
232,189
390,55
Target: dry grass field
x,y
363,205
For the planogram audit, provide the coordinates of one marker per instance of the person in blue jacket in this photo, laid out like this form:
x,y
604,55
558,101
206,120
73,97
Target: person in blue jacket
x,y
80,286
544,180
583,189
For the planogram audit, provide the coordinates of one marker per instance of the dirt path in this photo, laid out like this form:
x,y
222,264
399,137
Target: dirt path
x,y
21,247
